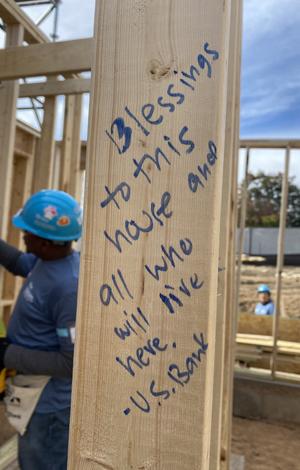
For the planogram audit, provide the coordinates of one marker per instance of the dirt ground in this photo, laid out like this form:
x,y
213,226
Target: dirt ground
x,y
252,276
266,446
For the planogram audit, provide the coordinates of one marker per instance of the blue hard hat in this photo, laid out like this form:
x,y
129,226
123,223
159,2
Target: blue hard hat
x,y
263,288
51,214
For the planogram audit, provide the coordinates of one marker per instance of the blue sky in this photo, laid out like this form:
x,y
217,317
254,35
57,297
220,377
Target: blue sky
x,y
270,86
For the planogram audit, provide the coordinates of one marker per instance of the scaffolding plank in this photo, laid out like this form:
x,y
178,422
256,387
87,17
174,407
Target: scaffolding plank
x,y
46,59
157,125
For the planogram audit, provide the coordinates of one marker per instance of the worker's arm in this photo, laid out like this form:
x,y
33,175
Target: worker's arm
x,y
55,364
28,361
15,261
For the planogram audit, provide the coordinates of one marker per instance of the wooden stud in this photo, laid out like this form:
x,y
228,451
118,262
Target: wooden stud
x,y
280,257
226,239
44,161
149,50
21,190
8,100
243,214
70,175
230,310
46,59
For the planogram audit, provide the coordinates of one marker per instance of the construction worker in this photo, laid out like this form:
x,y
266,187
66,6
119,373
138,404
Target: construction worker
x,y
265,306
41,331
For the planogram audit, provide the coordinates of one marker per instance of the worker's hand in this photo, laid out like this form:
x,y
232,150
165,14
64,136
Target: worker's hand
x,y
3,346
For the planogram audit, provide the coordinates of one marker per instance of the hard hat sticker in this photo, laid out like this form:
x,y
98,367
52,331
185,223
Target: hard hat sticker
x,y
63,221
50,212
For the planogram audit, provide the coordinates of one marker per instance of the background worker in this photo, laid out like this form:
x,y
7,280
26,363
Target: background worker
x,y
41,331
265,305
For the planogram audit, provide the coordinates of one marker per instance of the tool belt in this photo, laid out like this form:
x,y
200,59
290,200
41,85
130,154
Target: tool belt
x,y
21,398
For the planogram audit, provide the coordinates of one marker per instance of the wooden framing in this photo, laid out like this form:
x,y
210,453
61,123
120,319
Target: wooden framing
x,y
107,429
224,334
46,59
44,162
12,14
70,171
24,154
271,365
243,214
280,257
71,86
230,312
8,100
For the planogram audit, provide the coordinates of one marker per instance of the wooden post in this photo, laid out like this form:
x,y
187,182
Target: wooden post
x,y
43,169
70,174
280,257
21,189
44,161
224,337
147,314
230,312
243,213
8,100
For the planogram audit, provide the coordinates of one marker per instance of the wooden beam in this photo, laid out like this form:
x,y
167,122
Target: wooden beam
x,y
46,59
70,176
44,160
243,215
21,189
115,407
229,308
8,100
280,256
270,143
226,240
289,328
59,87
11,14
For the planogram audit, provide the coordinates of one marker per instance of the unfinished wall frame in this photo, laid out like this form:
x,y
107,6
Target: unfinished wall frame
x,y
271,344
113,422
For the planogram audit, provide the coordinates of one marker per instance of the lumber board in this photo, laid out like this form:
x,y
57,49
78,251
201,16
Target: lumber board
x,y
9,453
70,86
270,143
8,101
289,328
70,173
44,159
224,314
11,14
231,311
146,419
46,59
25,144
265,374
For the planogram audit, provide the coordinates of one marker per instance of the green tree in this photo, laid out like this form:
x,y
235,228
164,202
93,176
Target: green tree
x,y
264,198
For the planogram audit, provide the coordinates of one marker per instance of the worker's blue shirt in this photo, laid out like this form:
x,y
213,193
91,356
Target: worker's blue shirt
x,y
264,309
44,317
